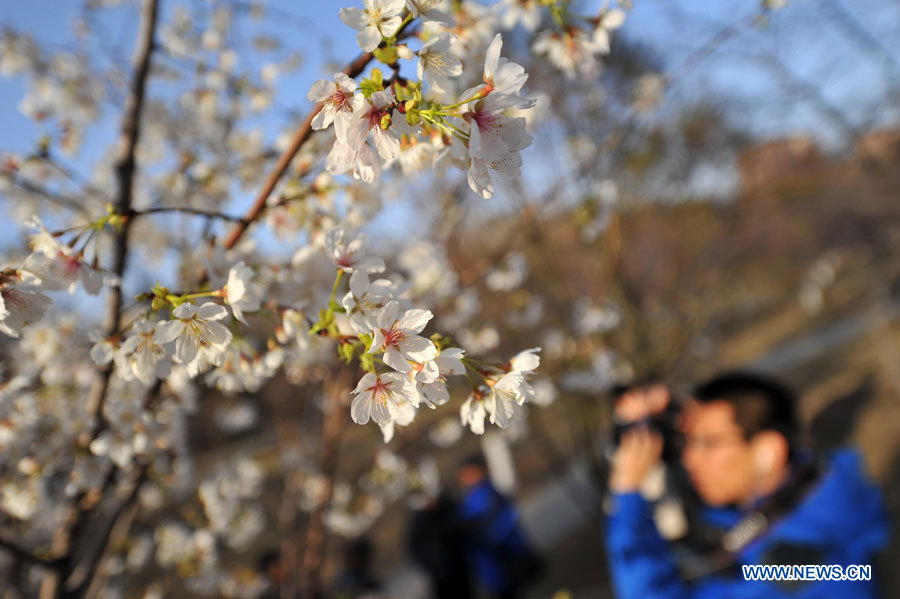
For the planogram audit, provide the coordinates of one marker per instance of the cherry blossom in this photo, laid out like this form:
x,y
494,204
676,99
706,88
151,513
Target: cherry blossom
x,y
61,267
242,294
472,412
374,119
364,300
21,301
526,361
509,389
339,102
429,10
351,256
433,381
141,356
608,21
526,12
379,18
398,335
436,63
200,341
379,397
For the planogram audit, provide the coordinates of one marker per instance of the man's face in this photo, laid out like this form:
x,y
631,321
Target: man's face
x,y
470,475
717,456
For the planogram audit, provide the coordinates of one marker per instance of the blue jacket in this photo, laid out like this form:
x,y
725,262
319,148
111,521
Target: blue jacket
x,y
840,521
495,541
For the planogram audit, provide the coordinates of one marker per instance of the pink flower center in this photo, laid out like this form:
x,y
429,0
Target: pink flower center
x,y
71,264
392,337
340,100
346,260
375,117
486,121
380,392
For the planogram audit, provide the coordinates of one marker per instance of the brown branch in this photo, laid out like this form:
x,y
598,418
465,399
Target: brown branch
x,y
125,169
125,172
54,198
75,178
80,579
25,555
352,70
335,419
187,210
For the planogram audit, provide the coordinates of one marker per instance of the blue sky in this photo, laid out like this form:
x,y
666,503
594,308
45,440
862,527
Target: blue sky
x,y
812,44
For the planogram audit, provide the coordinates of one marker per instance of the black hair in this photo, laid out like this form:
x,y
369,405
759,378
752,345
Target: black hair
x,y
476,459
760,403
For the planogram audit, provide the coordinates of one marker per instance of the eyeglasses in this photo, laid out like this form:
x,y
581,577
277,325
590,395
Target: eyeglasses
x,y
713,442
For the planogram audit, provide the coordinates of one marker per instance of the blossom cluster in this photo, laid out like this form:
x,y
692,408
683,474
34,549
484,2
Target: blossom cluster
x,y
417,367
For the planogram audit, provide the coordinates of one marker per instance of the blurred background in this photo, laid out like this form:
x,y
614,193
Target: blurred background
x,y
720,192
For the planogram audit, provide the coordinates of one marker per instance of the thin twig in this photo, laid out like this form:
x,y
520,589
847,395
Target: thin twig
x,y
54,198
25,555
352,70
187,210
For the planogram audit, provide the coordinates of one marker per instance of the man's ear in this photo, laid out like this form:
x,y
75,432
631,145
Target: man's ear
x,y
770,452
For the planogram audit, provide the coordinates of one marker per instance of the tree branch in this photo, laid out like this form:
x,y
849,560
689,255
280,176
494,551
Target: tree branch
x,y
126,171
352,70
335,420
25,555
187,210
54,198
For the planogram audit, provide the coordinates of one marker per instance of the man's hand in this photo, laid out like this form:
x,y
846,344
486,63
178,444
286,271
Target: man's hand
x,y
637,454
640,448
641,403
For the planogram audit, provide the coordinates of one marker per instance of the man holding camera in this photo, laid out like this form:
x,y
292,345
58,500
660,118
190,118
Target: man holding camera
x,y
764,500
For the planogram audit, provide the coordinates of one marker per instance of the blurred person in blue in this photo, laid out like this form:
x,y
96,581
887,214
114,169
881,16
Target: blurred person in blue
x,y
763,499
500,556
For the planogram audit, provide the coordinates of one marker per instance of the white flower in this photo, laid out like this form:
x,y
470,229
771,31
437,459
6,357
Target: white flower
x,y
574,50
526,361
241,293
608,21
406,413
432,377
351,256
503,76
472,413
526,12
509,389
104,349
361,160
21,302
398,337
436,63
234,374
364,300
494,142
429,10
60,267
141,356
379,397
339,101
495,138
370,120
200,341
379,18
116,447
509,274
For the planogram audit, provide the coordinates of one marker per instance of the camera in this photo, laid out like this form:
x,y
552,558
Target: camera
x,y
667,423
